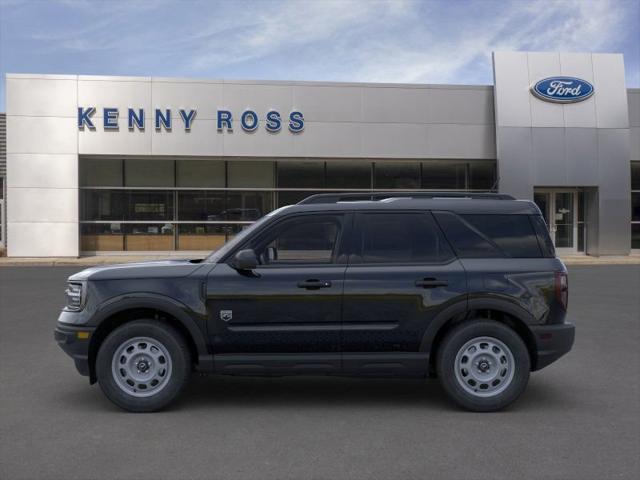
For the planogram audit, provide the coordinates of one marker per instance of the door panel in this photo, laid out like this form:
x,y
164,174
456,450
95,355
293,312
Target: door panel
x,y
402,275
386,309
291,303
271,313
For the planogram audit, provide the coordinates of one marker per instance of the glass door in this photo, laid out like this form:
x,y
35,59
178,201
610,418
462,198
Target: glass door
x,y
564,219
559,208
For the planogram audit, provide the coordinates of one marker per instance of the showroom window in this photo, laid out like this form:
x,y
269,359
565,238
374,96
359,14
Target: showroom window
x,y
149,173
200,173
444,175
397,175
159,204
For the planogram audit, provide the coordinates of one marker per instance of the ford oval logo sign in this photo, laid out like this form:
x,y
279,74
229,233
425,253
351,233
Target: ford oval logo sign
x,y
562,89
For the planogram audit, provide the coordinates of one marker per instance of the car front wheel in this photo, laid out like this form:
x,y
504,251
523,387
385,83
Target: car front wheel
x,y
483,365
143,365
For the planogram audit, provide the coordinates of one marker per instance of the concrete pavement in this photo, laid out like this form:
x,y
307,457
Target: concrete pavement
x,y
579,418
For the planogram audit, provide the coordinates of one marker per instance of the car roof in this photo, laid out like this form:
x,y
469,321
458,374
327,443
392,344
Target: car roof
x,y
486,204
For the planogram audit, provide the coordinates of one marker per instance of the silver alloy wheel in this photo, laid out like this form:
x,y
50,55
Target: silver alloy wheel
x,y
141,366
484,367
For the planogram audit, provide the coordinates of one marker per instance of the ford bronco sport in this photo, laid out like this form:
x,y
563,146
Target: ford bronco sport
x,y
465,287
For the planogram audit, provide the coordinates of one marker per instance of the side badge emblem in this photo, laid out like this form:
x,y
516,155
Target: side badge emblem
x,y
226,315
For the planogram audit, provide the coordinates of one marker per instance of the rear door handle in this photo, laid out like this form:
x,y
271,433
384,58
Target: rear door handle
x,y
313,284
431,283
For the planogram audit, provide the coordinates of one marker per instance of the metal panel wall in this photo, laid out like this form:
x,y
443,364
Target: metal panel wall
x,y
42,166
585,144
341,119
633,94
3,145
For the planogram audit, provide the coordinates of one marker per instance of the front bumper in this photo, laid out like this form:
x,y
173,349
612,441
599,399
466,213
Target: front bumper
x,y
553,341
75,343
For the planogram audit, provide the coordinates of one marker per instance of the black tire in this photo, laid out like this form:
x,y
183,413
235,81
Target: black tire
x,y
451,346
180,365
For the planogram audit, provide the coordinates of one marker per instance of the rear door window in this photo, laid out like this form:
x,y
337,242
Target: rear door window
x,y
399,238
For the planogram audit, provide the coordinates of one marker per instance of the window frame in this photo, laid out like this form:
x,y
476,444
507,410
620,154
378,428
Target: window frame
x,y
355,257
474,230
262,236
507,254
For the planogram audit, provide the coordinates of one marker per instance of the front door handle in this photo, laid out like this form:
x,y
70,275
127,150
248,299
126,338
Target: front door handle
x,y
431,283
314,284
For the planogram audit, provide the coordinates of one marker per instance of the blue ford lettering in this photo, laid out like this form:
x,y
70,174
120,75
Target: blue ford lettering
x,y
562,89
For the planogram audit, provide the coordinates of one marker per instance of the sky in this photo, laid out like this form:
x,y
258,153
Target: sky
x,y
403,41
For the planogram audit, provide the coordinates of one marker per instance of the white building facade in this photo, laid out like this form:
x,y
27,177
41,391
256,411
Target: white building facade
x,y
133,164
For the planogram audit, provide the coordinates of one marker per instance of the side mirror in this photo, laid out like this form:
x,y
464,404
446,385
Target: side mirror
x,y
245,260
272,254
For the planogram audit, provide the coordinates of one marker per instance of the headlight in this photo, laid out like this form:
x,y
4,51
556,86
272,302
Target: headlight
x,y
75,296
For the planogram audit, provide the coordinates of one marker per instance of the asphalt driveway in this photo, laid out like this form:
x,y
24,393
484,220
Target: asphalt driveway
x,y
579,418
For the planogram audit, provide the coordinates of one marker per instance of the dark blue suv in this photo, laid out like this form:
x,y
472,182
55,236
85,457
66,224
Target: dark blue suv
x,y
465,287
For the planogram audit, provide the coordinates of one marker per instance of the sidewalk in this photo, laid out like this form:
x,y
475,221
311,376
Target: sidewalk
x,y
113,259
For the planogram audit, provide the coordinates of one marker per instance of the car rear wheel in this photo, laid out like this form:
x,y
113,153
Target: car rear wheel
x,y
483,365
143,365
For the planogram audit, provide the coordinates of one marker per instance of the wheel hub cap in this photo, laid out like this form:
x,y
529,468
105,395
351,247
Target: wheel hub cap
x,y
141,366
484,366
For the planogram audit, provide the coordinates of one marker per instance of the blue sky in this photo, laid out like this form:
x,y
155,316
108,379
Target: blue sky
x,y
342,40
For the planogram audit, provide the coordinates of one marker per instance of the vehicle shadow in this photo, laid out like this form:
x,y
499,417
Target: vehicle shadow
x,y
236,393
311,392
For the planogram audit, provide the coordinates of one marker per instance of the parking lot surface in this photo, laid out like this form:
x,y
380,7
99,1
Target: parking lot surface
x,y
578,419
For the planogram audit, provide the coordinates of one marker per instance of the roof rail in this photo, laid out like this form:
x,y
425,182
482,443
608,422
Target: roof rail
x,y
377,196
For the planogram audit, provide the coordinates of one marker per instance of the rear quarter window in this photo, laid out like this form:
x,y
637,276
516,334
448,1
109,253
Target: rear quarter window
x,y
513,234
490,235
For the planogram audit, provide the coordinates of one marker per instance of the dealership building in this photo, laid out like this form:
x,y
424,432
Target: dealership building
x,y
105,165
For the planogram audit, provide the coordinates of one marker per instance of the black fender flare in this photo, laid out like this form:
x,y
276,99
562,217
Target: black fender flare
x,y
455,309
493,302
183,314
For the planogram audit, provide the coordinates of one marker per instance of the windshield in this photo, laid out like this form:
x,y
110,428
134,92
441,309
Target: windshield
x,y
216,255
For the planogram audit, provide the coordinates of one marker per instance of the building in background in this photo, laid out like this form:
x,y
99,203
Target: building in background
x,y
3,175
131,164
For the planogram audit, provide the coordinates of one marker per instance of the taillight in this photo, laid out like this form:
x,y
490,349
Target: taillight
x,y
562,289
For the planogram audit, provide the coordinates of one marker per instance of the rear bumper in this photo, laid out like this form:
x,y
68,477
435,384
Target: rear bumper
x,y
75,343
553,341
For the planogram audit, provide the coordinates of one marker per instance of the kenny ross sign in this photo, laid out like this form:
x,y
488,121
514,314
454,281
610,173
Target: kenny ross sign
x,y
249,120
